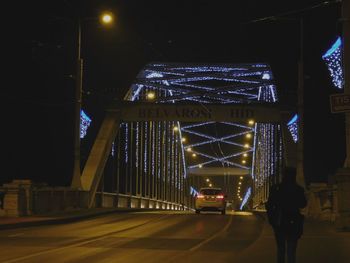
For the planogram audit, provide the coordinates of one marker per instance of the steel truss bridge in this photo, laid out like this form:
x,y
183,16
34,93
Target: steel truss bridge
x,y
185,126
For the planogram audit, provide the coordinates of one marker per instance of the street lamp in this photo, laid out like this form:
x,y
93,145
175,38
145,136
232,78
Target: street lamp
x,y
106,18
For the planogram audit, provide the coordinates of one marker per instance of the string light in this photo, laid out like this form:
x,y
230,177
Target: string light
x,y
177,82
85,122
245,198
333,60
293,127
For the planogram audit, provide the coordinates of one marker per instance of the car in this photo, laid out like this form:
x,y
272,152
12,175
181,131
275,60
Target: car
x,y
210,199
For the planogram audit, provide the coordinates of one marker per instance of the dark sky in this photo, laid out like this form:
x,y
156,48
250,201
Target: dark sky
x,y
38,99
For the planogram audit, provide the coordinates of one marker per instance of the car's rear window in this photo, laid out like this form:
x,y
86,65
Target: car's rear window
x,y
210,191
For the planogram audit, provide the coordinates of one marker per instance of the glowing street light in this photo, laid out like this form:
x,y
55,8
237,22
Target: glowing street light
x,y
107,18
248,135
207,180
251,122
151,95
210,185
183,139
194,155
175,129
189,149
246,145
245,155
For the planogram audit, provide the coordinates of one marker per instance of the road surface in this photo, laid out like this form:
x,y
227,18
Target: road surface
x,y
144,237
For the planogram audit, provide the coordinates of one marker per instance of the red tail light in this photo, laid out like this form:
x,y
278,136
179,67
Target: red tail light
x,y
200,196
219,197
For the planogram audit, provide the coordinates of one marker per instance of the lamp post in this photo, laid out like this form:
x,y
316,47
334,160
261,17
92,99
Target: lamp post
x,y
105,18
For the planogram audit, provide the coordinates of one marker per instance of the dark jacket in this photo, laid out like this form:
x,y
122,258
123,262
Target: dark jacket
x,y
283,208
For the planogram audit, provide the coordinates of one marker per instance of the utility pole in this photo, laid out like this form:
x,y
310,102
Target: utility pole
x,y
343,174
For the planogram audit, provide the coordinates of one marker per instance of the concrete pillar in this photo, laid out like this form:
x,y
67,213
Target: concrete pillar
x,y
18,198
343,183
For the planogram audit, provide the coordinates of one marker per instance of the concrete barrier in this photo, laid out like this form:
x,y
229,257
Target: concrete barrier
x,y
22,197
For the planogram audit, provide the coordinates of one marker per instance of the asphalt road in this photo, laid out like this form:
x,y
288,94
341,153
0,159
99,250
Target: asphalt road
x,y
135,237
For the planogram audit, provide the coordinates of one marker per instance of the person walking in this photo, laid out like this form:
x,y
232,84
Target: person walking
x,y
283,212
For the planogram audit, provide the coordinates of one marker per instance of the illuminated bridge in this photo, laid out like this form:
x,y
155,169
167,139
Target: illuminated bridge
x,y
186,126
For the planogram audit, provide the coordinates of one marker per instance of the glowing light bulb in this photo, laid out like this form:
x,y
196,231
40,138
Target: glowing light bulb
x,y
251,122
151,95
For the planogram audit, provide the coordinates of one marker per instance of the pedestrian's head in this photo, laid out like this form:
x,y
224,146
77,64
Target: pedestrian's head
x,y
289,175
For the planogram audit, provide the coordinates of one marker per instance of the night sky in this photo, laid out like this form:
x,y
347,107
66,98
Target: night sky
x,y
38,101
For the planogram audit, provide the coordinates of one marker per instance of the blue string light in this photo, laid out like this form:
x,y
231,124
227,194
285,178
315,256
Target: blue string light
x,y
85,122
293,127
333,60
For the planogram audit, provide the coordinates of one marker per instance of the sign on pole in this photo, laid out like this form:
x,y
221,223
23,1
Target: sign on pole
x,y
340,103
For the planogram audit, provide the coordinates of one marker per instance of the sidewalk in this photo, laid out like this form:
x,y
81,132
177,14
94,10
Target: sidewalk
x,y
320,243
58,217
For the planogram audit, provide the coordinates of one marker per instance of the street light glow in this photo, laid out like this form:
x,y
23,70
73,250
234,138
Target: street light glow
x,y
251,122
107,18
151,95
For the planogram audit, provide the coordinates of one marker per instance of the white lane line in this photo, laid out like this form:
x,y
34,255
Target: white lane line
x,y
16,235
81,243
213,236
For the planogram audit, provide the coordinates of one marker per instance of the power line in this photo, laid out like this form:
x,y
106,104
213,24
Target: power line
x,y
292,12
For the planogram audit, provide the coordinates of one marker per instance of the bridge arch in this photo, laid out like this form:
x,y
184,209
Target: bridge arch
x,y
156,154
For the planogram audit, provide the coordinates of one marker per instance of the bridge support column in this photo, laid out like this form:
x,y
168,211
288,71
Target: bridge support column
x,y
100,151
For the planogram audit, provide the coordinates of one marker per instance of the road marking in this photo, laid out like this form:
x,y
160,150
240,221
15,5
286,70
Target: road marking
x,y
16,235
93,239
213,236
